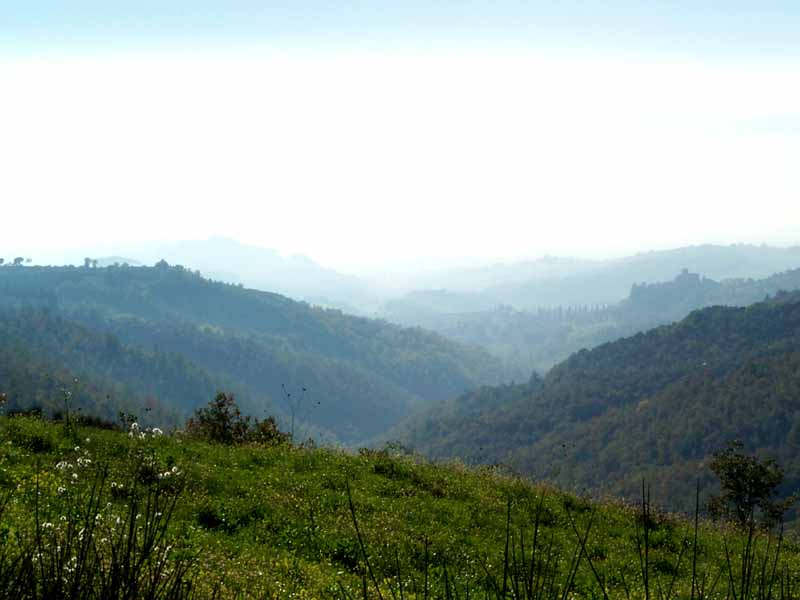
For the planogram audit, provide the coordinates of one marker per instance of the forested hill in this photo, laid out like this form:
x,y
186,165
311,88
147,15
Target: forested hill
x,y
656,404
58,366
542,338
360,375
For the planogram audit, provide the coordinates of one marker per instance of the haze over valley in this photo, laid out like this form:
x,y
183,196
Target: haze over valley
x,y
408,300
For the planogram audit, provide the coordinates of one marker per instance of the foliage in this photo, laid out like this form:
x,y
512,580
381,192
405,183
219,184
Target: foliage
x,y
284,521
168,334
91,537
749,488
46,358
222,422
654,405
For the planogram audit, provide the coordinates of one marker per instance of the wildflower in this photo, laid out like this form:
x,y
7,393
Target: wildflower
x,y
157,432
74,477
61,489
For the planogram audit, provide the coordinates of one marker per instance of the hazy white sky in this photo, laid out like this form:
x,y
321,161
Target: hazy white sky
x,y
355,157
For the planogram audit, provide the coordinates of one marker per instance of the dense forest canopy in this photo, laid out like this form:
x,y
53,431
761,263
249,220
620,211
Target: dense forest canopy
x,y
360,375
656,404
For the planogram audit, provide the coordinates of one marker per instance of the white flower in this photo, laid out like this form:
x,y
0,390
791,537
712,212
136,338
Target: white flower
x,y
157,431
61,490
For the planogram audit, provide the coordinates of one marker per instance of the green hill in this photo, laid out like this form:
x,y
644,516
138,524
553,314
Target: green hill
x,y
656,404
360,375
87,509
55,365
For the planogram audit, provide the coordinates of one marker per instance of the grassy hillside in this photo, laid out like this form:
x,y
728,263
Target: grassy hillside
x,y
656,404
360,375
281,521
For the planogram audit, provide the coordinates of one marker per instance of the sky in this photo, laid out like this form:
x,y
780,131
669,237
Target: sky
x,y
367,133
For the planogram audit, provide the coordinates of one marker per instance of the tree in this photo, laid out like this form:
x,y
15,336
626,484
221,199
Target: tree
x,y
222,421
749,488
2,261
18,261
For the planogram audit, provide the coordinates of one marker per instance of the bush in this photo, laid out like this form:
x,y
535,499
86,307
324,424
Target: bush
x,y
222,422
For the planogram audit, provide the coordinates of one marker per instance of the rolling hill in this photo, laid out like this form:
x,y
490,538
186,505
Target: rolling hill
x,y
360,375
656,404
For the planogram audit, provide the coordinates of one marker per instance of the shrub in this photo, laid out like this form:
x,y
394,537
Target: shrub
x,y
222,422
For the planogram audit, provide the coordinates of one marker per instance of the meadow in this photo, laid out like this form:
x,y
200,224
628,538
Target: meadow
x,y
127,512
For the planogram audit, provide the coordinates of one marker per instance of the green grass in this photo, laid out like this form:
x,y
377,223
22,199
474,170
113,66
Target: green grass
x,y
304,522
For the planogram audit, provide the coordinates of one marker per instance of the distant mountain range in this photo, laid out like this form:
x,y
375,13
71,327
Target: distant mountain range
x,y
553,282
229,261
416,294
543,337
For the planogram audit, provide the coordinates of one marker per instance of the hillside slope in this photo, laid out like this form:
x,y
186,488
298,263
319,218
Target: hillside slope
x,y
658,402
51,364
283,521
360,375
